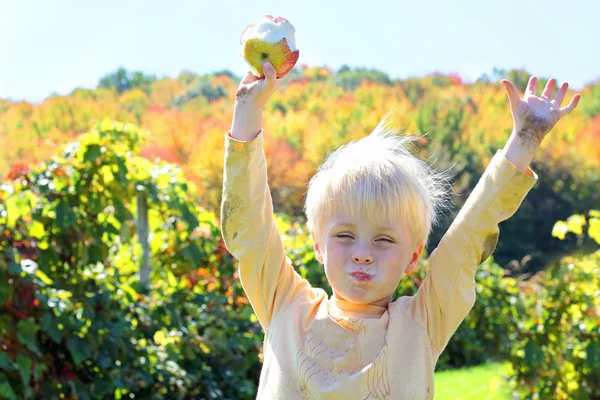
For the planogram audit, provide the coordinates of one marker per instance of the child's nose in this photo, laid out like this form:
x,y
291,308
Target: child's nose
x,y
363,259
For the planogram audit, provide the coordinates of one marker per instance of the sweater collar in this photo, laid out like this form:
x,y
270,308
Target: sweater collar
x,y
352,310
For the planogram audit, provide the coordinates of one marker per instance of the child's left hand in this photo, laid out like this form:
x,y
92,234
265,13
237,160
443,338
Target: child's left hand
x,y
534,116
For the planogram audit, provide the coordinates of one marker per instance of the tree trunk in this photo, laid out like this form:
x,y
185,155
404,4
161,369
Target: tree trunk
x,y
142,232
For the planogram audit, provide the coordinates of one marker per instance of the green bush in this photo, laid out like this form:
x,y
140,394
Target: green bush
x,y
557,352
349,79
77,323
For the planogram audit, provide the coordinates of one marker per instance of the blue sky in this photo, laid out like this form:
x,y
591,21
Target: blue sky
x,y
55,46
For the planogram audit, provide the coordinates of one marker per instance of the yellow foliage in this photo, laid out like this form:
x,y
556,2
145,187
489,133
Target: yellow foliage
x,y
161,339
304,121
575,225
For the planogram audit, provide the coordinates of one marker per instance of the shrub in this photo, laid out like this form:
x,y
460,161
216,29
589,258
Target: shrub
x,y
557,352
75,320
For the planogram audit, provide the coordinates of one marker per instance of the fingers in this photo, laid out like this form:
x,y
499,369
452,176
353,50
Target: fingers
x,y
249,78
271,76
561,94
569,107
531,85
547,93
513,94
269,72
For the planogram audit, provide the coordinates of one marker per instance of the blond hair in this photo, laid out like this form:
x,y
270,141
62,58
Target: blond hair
x,y
379,178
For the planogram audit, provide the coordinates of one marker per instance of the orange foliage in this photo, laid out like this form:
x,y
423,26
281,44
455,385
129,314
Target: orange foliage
x,y
591,134
288,174
303,122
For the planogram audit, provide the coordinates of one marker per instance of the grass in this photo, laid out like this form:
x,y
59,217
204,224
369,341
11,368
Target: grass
x,y
484,382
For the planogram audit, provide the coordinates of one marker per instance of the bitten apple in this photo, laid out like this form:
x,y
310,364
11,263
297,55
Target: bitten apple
x,y
270,39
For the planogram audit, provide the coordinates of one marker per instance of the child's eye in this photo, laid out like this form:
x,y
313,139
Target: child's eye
x,y
348,236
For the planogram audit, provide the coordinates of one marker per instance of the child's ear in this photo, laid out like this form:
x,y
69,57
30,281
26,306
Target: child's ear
x,y
415,257
317,250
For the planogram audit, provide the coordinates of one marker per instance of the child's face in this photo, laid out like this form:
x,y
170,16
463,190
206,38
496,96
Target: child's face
x,y
385,255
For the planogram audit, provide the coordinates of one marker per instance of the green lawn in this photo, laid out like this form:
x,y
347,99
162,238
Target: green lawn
x,y
484,382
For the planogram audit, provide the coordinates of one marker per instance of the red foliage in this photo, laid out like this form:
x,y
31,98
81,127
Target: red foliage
x,y
302,81
416,280
18,170
24,301
67,373
221,80
456,79
157,108
166,154
211,123
590,134
28,249
16,313
593,129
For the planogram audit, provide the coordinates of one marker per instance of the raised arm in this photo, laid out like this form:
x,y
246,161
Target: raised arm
x,y
247,223
533,118
448,293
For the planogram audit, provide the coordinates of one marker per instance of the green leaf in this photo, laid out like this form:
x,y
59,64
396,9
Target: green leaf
x,y
6,291
13,267
5,325
79,348
120,210
38,370
193,253
95,205
188,216
533,355
50,326
6,389
130,291
110,228
592,359
122,176
24,365
61,211
26,332
92,153
6,363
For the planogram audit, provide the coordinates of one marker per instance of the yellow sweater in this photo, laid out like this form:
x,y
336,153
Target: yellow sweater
x,y
321,348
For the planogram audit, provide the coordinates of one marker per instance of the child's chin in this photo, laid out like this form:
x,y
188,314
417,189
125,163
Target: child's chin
x,y
363,297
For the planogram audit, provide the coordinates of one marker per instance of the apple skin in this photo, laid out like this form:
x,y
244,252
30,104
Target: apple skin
x,y
256,51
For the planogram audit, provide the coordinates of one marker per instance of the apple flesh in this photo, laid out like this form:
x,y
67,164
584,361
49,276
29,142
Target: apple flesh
x,y
270,39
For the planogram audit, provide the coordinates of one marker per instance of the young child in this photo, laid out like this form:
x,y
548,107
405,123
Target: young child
x,y
369,210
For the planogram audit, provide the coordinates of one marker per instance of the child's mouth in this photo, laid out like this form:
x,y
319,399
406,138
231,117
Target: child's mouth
x,y
359,276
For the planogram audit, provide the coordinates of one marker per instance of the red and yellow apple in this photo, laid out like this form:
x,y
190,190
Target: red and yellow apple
x,y
269,39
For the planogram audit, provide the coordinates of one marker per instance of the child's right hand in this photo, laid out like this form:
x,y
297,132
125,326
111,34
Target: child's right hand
x,y
251,96
255,91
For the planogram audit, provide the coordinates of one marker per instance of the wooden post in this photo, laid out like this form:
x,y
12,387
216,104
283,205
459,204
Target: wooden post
x,y
142,232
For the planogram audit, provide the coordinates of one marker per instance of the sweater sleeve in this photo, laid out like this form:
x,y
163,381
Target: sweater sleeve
x,y
251,235
448,292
